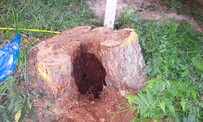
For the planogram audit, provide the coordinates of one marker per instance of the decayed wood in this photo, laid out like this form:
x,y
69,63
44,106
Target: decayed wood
x,y
123,61
118,51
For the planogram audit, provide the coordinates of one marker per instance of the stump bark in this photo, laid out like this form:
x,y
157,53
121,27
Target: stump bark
x,y
83,60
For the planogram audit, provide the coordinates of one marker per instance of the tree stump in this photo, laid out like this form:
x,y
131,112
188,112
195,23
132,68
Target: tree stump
x,y
84,60
84,64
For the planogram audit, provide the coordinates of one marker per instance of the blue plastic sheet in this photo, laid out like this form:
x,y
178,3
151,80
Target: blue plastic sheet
x,y
9,57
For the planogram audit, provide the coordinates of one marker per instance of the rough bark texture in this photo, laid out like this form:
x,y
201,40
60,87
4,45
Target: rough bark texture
x,y
81,71
117,52
123,60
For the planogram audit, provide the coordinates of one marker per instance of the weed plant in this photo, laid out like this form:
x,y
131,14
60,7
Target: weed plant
x,y
55,15
15,98
173,52
189,7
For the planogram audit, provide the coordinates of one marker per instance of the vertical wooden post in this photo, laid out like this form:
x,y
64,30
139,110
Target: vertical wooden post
x,y
110,13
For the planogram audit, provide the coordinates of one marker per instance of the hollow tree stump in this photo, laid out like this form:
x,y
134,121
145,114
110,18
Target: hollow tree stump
x,y
83,60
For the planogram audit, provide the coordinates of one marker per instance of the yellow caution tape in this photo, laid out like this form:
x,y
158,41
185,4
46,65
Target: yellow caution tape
x,y
31,30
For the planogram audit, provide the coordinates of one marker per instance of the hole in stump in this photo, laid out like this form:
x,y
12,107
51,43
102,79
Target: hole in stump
x,y
89,74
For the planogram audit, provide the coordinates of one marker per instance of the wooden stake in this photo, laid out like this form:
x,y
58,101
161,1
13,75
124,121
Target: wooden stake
x,y
110,13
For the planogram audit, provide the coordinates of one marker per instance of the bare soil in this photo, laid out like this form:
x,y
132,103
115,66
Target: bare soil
x,y
110,107
147,9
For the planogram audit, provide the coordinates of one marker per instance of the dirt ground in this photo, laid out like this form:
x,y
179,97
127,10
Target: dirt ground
x,y
147,9
111,107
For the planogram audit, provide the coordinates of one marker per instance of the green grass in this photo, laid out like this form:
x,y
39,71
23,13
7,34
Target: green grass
x,y
58,15
55,15
173,52
185,7
172,49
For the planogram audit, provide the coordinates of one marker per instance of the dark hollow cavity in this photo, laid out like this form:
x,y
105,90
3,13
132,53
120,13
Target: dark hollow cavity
x,y
89,74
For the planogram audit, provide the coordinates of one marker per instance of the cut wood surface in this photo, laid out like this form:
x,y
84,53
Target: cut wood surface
x,y
118,51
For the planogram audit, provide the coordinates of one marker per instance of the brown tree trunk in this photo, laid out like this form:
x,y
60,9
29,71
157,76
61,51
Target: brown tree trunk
x,y
105,57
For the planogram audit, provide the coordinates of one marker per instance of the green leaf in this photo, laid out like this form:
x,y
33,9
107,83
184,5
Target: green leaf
x,y
143,99
172,110
190,118
138,100
29,104
194,96
182,104
131,98
163,105
198,62
18,115
149,97
2,87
